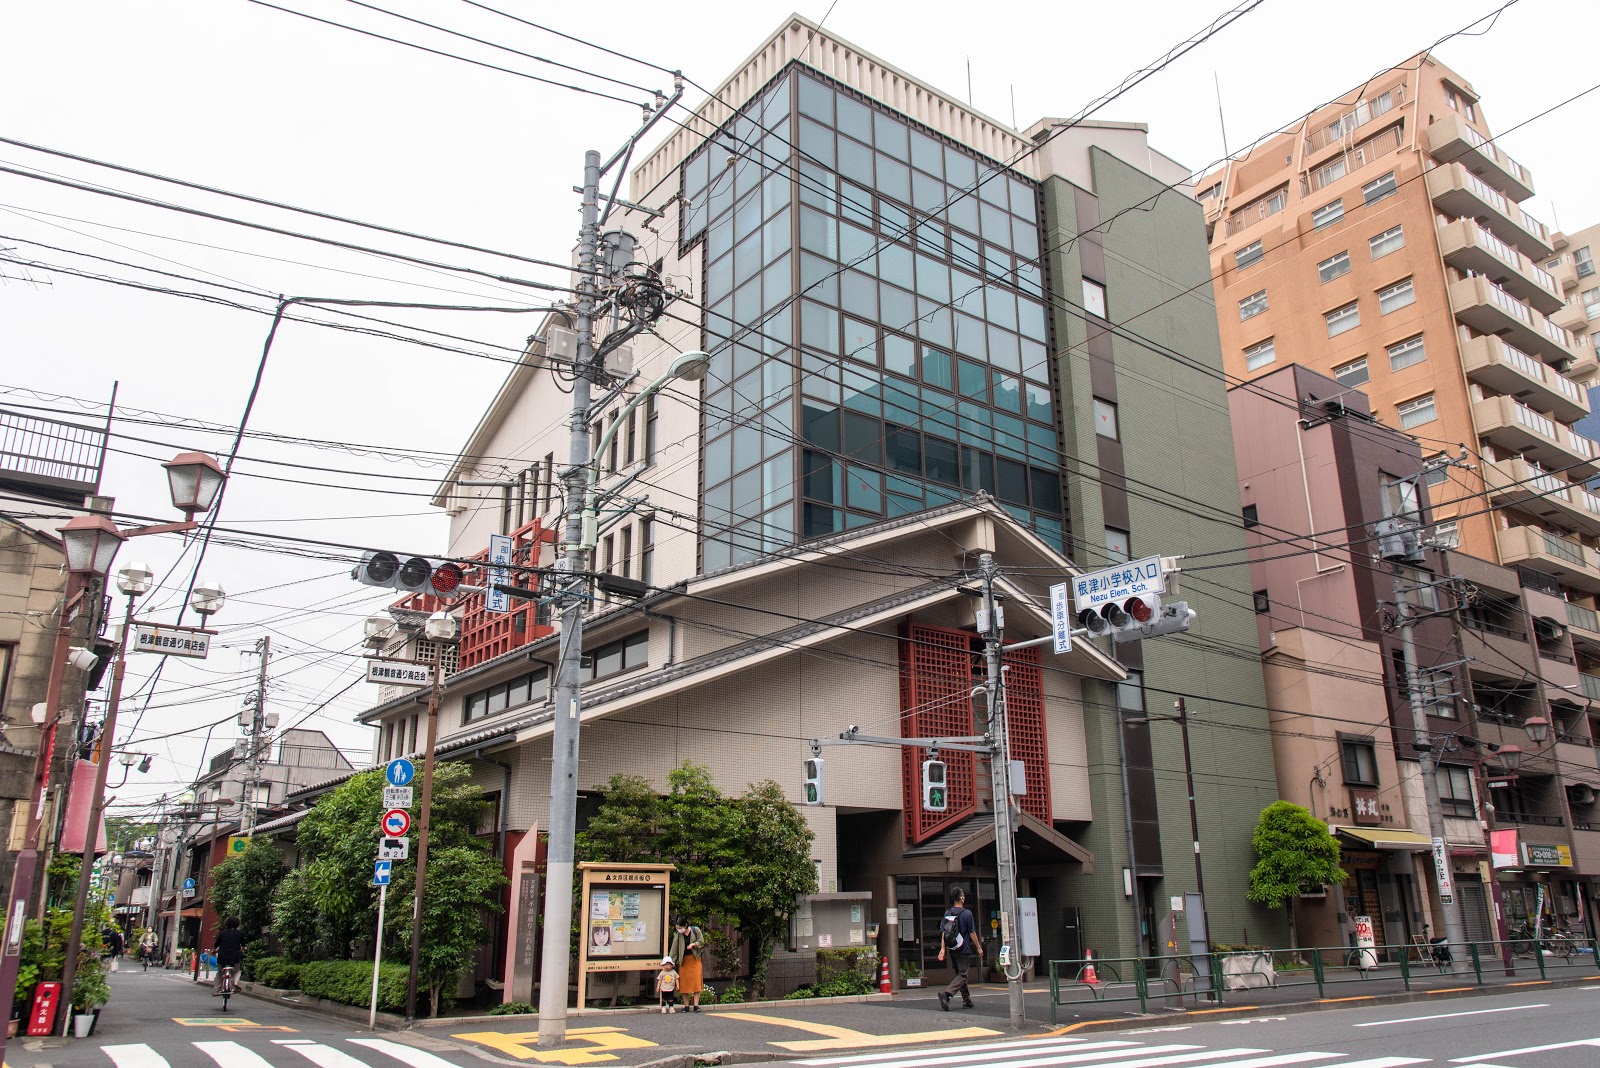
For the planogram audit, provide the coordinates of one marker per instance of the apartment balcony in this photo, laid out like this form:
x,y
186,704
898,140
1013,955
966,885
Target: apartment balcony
x,y
1583,624
1572,563
1507,369
1488,309
1516,427
1475,249
1590,684
1569,316
1451,138
1566,274
1495,653
1519,484
1458,192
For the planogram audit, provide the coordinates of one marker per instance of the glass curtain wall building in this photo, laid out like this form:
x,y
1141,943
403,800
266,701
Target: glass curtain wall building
x,y
881,288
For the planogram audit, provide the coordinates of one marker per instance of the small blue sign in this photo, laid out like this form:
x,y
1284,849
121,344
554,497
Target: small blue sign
x,y
380,873
400,772
188,884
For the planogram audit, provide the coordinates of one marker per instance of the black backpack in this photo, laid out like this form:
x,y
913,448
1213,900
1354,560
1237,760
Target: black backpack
x,y
949,926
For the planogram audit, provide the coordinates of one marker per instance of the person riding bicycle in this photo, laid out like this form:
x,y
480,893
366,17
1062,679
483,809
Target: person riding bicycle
x,y
229,953
147,950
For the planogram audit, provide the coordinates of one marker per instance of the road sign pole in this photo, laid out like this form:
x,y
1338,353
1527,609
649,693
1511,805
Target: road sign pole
x,y
377,956
422,839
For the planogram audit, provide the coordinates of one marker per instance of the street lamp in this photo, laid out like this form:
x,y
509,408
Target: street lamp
x,y
91,543
207,598
1538,729
194,480
441,628
581,533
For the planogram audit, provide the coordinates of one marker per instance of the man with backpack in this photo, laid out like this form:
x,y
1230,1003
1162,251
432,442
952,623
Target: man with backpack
x,y
958,935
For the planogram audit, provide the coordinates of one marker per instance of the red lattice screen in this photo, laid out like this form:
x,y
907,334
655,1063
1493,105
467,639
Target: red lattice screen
x,y
1025,718
484,634
936,701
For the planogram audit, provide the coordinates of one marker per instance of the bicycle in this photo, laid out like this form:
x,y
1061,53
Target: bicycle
x,y
227,983
1426,950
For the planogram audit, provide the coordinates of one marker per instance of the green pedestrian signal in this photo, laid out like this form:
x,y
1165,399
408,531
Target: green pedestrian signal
x,y
934,798
813,781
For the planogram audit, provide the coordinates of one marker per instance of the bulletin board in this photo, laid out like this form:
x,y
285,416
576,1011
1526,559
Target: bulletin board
x,y
626,919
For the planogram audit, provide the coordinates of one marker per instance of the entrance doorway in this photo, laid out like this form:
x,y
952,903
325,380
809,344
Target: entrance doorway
x,y
930,896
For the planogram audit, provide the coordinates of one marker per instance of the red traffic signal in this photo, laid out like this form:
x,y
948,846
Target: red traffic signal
x,y
1139,609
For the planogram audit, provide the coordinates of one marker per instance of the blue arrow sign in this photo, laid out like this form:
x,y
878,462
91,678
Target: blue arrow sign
x,y
380,873
400,772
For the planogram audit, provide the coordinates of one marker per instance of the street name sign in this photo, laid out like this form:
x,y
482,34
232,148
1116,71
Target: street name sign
x,y
397,797
1136,578
399,772
396,822
1061,618
499,556
171,641
399,674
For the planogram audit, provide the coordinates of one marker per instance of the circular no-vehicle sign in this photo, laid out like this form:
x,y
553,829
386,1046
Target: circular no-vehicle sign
x,y
396,822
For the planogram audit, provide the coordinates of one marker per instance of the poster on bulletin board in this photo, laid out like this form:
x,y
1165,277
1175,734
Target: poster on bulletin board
x,y
626,922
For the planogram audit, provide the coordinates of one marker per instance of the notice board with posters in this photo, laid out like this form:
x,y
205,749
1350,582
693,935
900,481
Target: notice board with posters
x,y
626,920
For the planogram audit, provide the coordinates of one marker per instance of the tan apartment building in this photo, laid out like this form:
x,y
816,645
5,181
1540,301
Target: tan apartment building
x,y
1381,243
1573,267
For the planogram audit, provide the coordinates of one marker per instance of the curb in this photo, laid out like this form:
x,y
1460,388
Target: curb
x,y
293,999
637,1010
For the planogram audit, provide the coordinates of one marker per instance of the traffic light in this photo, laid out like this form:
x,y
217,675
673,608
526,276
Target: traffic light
x,y
409,574
813,780
935,798
1173,618
1123,620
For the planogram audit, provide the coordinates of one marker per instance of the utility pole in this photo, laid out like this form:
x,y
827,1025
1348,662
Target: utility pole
x,y
423,815
560,859
990,626
258,726
1423,742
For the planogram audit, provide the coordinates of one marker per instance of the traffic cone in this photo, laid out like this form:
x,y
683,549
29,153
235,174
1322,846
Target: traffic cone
x,y
1089,975
883,978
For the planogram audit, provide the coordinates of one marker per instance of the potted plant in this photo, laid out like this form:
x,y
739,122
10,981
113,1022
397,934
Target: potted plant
x,y
90,992
910,973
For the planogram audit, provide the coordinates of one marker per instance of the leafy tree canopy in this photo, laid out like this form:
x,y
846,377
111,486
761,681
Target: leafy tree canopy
x,y
1295,853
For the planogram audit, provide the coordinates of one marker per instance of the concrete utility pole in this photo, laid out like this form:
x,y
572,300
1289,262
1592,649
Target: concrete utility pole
x,y
990,627
560,859
258,726
1423,741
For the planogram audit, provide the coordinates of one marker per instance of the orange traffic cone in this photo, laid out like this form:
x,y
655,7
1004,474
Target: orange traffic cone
x,y
883,978
1089,975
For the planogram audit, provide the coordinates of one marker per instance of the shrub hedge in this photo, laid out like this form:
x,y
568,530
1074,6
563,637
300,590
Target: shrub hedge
x,y
279,972
349,982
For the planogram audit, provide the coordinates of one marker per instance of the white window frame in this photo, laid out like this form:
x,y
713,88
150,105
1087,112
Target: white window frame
x,y
1352,368
1377,241
1094,297
1378,184
1591,303
1329,269
1392,298
1117,541
1407,353
1253,356
1328,214
1251,253
1343,319
1253,305
1105,419
1406,410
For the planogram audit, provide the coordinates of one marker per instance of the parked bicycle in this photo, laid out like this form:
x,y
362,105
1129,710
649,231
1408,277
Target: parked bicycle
x,y
1426,950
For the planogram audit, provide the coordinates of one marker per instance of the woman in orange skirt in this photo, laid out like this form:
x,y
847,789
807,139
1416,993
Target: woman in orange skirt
x,y
688,945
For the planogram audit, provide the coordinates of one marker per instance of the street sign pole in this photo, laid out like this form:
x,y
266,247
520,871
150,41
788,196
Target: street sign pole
x,y
377,956
422,842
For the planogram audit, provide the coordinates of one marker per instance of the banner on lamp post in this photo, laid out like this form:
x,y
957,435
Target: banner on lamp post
x,y
1441,871
1503,849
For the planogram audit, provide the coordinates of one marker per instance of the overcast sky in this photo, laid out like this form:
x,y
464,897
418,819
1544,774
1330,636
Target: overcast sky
x,y
237,95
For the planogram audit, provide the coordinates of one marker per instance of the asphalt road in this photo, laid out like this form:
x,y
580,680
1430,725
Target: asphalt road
x,y
1549,1028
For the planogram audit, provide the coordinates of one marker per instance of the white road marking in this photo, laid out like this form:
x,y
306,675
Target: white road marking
x,y
327,1056
416,1058
1451,1015
136,1055
1110,1054
1381,1062
1525,1049
1258,1019
232,1055
1301,1058
985,1050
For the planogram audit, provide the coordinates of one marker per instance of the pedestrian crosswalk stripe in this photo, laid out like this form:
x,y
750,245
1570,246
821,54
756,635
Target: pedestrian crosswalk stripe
x,y
136,1055
230,1055
1388,1062
326,1056
970,1054
416,1058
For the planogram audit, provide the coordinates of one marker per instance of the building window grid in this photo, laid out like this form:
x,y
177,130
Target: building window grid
x,y
1260,354
1402,294
1359,758
1416,412
1391,240
1328,214
1354,373
1343,319
1406,353
1249,254
1253,305
1379,188
1333,267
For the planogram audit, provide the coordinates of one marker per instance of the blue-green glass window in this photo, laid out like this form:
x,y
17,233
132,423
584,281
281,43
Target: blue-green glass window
x,y
899,355
816,142
898,308
855,118
927,154
855,161
859,295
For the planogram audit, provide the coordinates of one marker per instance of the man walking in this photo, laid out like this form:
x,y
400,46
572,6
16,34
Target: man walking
x,y
958,935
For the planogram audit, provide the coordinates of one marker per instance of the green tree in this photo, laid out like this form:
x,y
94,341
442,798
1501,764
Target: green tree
x,y
243,886
740,861
463,882
1295,853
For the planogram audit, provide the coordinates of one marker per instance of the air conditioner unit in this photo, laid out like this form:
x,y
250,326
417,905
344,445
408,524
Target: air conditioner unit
x,y
1581,793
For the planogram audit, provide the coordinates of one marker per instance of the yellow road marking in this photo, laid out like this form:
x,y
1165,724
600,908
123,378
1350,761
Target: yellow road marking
x,y
1069,1028
1361,997
1451,990
229,1023
845,1038
523,1044
1531,982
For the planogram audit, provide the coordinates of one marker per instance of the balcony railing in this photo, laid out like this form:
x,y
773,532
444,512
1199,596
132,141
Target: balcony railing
x,y
1562,549
50,454
1529,818
1534,369
1591,683
1584,619
1535,421
1511,305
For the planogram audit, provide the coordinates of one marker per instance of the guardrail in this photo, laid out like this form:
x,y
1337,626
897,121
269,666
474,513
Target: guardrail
x,y
1211,978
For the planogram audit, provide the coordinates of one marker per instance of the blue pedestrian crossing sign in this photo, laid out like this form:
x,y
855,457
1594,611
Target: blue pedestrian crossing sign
x,y
400,772
380,873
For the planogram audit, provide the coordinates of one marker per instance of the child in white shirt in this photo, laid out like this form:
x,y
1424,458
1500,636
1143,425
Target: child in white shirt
x,y
667,985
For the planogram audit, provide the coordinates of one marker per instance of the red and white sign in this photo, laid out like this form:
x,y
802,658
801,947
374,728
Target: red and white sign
x,y
396,822
42,1017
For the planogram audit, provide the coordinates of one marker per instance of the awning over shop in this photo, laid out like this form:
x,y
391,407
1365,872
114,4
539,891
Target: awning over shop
x,y
1038,844
1385,838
